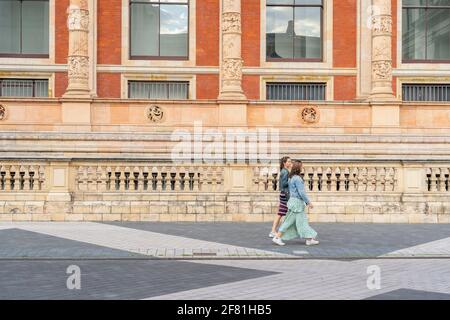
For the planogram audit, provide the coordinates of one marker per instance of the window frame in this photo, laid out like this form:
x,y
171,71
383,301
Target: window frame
x,y
293,6
426,7
30,55
33,81
322,83
186,82
159,57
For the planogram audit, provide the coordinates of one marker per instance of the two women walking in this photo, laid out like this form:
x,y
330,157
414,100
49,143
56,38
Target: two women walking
x,y
292,190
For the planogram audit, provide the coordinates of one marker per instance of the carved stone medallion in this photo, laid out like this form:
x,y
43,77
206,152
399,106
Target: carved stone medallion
x,y
310,114
155,114
2,112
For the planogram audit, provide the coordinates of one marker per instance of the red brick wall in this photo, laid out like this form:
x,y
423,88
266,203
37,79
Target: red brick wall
x,y
344,33
108,85
60,83
109,31
61,31
251,87
344,88
207,33
207,86
251,35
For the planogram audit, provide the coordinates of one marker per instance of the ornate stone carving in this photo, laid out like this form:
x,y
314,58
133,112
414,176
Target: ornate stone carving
x,y
2,112
382,24
231,22
78,20
78,67
310,114
155,114
382,70
232,69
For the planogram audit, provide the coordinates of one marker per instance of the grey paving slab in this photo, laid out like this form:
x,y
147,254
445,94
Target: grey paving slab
x,y
113,279
337,239
408,294
16,243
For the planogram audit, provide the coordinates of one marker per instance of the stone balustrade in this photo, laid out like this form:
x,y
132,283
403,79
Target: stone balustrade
x,y
149,178
21,177
334,178
438,179
107,190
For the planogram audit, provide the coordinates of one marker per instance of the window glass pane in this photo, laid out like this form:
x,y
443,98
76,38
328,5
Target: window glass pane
x,y
413,34
438,34
144,29
9,26
280,1
307,38
308,2
17,88
174,30
279,32
439,3
35,27
414,3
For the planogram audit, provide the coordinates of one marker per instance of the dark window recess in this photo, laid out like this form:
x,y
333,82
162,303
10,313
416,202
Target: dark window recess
x,y
24,28
23,88
156,90
159,29
426,92
295,91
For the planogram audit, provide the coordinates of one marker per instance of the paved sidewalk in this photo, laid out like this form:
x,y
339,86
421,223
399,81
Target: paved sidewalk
x,y
221,261
142,240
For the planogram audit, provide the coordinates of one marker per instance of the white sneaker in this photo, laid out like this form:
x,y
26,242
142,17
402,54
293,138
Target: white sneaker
x,y
312,242
272,235
278,241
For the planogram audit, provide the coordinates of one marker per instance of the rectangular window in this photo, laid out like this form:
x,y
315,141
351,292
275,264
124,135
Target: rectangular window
x,y
24,88
294,30
426,92
159,29
426,30
295,91
24,28
155,90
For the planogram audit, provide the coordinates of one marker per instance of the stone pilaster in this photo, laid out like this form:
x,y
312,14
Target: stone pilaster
x,y
78,57
381,51
231,64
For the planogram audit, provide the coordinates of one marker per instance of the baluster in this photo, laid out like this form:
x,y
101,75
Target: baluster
x,y
135,175
92,183
381,179
319,172
110,179
34,178
175,179
372,179
353,179
363,180
101,179
146,179
441,179
345,179
333,180
42,181
195,179
2,178
434,172
182,179
13,173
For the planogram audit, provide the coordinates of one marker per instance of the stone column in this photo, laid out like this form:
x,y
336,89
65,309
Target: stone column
x,y
231,64
382,51
78,57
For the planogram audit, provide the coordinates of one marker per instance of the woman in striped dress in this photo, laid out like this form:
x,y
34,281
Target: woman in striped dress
x,y
285,167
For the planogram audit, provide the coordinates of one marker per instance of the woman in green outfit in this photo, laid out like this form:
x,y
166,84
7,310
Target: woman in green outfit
x,y
296,221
